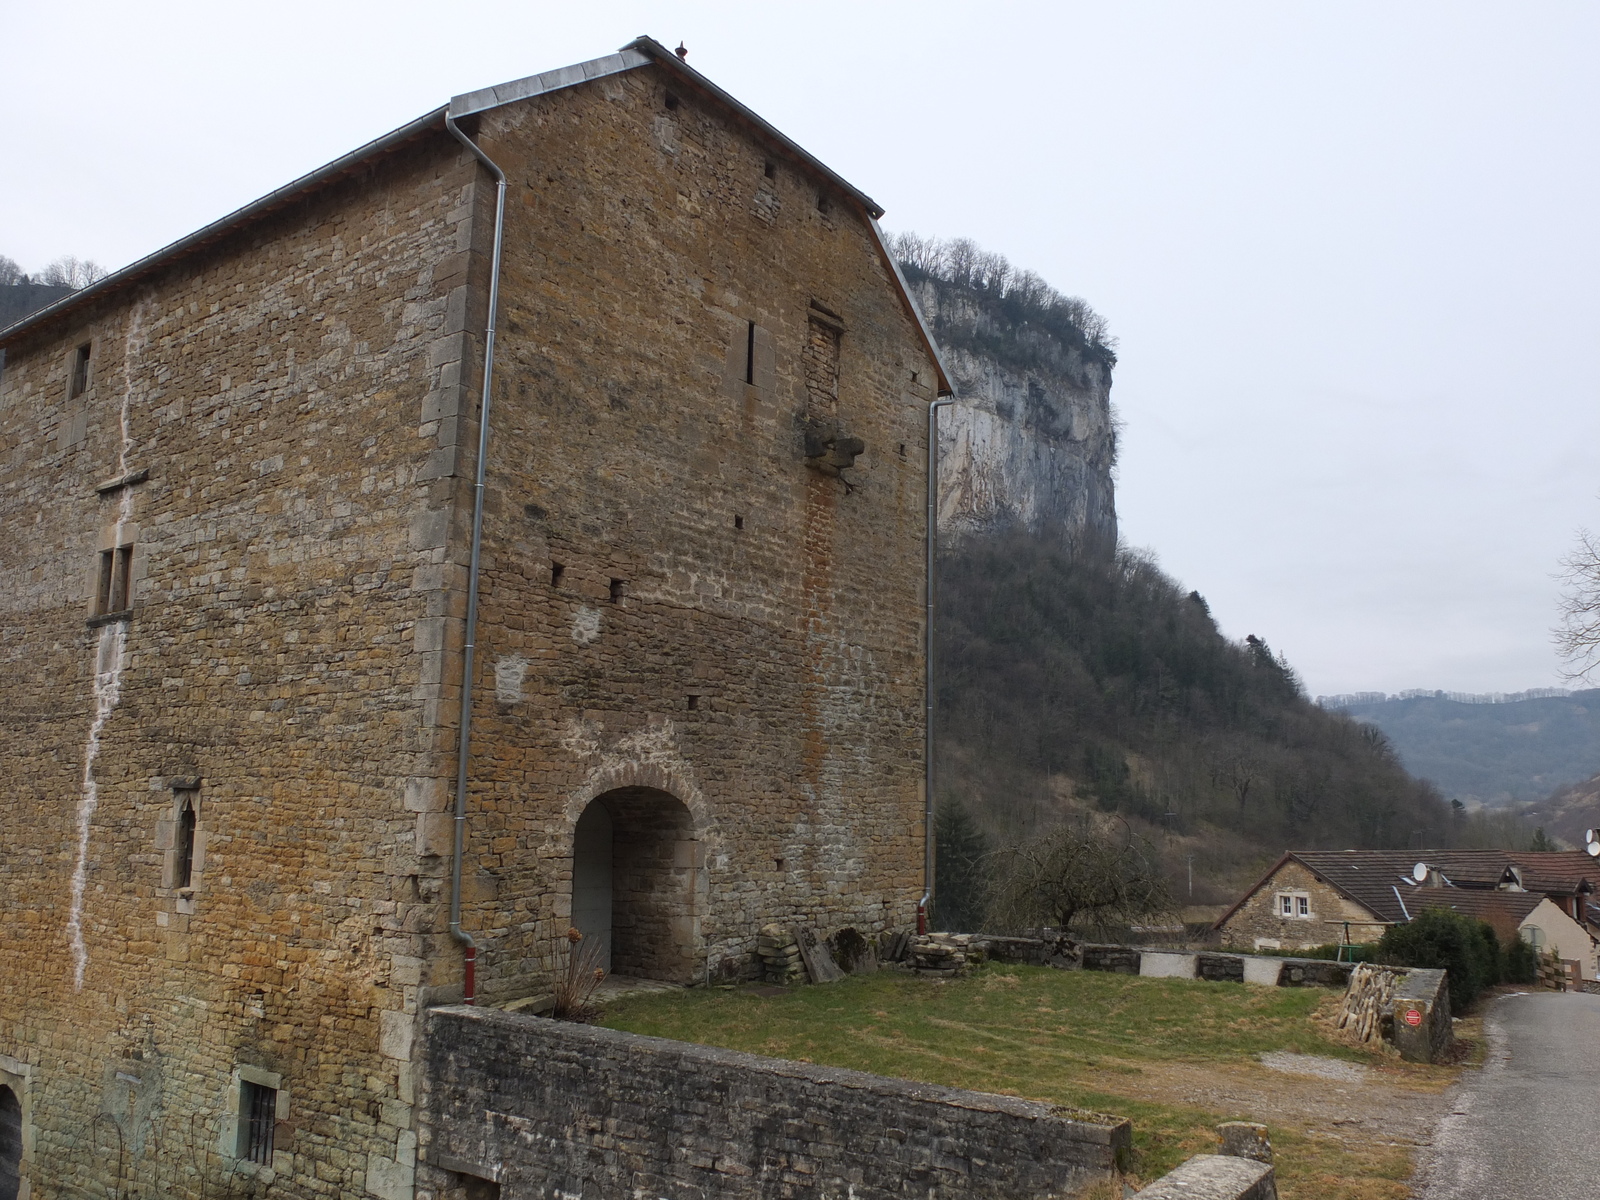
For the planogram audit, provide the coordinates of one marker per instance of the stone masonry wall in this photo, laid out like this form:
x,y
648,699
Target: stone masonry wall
x,y
1258,925
287,509
674,603
546,1108
677,611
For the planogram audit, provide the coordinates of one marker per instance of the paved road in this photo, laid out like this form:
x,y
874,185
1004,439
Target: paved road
x,y
1527,1126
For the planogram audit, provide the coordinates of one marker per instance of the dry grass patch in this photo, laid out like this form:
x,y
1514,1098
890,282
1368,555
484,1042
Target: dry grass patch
x,y
1174,1056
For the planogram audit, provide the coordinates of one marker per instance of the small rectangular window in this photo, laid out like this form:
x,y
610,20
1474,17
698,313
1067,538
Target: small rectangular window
x,y
80,371
258,1113
769,169
183,842
1302,906
112,594
618,587
1286,905
557,570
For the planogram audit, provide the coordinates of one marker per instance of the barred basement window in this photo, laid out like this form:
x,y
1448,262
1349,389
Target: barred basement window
x,y
258,1113
112,594
80,372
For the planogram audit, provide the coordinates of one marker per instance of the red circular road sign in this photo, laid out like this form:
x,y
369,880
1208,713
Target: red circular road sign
x,y
1413,1017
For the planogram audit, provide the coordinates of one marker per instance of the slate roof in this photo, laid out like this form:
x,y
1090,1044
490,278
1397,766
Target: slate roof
x,y
1381,881
640,52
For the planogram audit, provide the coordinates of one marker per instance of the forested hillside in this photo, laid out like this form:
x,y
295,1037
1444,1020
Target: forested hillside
x,y
1075,678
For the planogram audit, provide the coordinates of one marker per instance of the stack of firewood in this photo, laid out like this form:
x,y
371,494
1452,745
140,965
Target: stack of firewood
x,y
1368,999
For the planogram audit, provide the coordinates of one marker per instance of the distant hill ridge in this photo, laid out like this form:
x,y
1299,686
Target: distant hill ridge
x,y
1494,748
1353,699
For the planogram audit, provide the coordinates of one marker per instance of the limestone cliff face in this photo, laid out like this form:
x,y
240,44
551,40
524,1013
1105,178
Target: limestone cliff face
x,y
1030,439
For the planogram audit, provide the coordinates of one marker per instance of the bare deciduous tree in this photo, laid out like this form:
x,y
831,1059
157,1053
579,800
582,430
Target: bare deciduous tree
x,y
70,271
1577,637
10,273
1088,875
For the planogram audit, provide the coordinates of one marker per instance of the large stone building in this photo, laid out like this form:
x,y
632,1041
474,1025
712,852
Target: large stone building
x,y
237,487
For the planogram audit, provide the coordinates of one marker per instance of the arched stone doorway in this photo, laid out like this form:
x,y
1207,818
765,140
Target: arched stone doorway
x,y
638,874
10,1144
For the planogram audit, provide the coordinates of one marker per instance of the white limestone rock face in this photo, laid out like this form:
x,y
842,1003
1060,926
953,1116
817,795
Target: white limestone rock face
x,y
1030,439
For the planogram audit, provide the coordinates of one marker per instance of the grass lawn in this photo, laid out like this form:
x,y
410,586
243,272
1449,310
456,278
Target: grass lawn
x,y
1086,1039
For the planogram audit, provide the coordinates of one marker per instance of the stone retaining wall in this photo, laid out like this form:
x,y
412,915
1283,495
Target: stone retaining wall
x,y
548,1108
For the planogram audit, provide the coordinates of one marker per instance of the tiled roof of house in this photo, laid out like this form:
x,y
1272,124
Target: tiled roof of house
x,y
1383,882
1505,911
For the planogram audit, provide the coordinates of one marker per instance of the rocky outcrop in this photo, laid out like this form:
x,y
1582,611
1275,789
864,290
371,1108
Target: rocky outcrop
x,y
1031,439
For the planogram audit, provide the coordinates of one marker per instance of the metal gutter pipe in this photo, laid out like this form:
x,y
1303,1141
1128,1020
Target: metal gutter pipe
x,y
927,666
469,989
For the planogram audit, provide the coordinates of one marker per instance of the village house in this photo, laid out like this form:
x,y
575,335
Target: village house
x,y
254,562
1314,898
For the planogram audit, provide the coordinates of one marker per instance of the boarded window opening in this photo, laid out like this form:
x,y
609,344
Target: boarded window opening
x,y
80,371
112,593
822,367
258,1113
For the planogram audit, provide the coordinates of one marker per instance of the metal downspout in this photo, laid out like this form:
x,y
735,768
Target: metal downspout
x,y
927,666
469,648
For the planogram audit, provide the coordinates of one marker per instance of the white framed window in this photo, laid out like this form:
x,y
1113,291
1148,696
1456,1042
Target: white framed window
x,y
1294,906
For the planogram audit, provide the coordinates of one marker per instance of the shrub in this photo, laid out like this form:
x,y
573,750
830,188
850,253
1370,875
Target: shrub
x,y
1438,937
1521,963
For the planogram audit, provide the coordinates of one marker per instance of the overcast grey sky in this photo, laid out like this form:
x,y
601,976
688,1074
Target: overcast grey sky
x,y
1350,249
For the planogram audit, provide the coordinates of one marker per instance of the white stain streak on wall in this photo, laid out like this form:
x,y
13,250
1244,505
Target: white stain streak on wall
x,y
585,625
110,658
509,672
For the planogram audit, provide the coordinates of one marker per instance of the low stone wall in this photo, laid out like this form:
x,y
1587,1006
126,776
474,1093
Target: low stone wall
x,y
548,1108
1149,961
1426,994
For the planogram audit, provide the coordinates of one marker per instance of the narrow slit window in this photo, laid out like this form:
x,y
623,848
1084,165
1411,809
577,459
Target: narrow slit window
x,y
112,593
750,352
183,844
258,1113
618,588
80,371
557,570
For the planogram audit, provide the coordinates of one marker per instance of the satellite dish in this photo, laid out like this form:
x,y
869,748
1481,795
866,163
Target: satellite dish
x,y
1420,872
1590,837
1594,849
